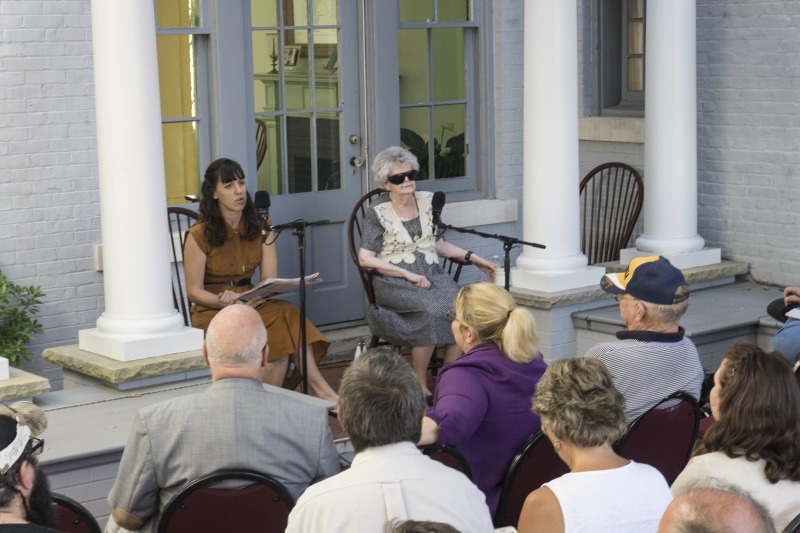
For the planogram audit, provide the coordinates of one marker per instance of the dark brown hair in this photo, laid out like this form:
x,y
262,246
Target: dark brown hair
x,y
759,412
225,171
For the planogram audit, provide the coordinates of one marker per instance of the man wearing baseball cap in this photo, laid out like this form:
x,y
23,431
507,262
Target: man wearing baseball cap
x,y
652,358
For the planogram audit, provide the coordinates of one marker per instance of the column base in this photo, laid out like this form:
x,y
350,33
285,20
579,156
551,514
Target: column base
x,y
553,281
132,348
681,260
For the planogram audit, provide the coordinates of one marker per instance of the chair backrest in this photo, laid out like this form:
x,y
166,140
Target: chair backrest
x,y
261,142
664,435
261,505
70,516
793,526
536,463
611,200
179,219
448,455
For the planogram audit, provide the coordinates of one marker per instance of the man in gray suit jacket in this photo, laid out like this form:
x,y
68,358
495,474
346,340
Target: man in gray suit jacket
x,y
235,423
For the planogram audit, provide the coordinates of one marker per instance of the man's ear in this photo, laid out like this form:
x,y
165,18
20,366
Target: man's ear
x,y
265,356
27,476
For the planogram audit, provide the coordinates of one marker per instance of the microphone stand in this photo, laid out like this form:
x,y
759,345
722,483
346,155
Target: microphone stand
x,y
508,243
299,230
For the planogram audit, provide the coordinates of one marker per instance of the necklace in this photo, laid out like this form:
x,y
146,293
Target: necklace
x,y
408,222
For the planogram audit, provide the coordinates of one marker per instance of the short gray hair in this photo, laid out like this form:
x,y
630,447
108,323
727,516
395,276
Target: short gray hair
x,y
389,158
236,336
380,400
668,313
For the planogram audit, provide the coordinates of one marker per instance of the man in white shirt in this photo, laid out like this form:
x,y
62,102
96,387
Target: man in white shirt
x,y
381,407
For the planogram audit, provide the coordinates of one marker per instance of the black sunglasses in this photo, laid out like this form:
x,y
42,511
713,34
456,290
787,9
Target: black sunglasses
x,y
37,445
397,179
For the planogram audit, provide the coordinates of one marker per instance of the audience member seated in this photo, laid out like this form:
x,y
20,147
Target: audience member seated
x,y
754,444
412,291
715,510
482,404
787,340
235,423
25,505
652,358
380,408
582,415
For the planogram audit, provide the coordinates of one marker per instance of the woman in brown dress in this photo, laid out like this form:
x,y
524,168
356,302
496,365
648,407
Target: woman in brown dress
x,y
221,255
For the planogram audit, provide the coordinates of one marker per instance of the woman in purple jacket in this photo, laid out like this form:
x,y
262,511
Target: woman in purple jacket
x,y
483,400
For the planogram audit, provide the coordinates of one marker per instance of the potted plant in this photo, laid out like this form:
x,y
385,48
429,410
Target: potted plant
x,y
17,327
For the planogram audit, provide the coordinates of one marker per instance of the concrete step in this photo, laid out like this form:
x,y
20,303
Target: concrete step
x,y
717,318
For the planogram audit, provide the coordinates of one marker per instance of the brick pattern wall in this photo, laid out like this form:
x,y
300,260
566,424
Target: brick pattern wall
x,y
48,172
748,87
86,483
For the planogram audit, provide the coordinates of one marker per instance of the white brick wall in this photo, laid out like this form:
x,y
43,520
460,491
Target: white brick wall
x,y
749,134
48,171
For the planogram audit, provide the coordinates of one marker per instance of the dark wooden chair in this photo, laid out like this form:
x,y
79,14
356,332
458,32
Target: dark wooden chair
x,y
536,463
70,516
179,219
261,505
612,195
448,455
793,526
663,436
452,266
261,142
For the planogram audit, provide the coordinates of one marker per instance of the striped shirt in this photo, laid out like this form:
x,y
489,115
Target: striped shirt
x,y
648,366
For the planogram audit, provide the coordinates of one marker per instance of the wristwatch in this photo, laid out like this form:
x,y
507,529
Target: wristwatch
x,y
466,257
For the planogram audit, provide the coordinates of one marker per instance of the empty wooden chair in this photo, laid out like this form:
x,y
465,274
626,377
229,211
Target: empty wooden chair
x,y
612,195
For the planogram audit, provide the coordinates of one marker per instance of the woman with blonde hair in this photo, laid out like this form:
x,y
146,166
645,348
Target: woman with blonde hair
x,y
583,414
482,400
754,444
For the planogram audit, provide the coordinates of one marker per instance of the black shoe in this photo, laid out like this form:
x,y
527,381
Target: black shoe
x,y
777,310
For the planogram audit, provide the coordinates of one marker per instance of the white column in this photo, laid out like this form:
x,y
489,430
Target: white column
x,y
670,148
551,210
140,319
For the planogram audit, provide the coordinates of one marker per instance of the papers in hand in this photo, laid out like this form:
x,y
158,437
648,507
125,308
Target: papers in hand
x,y
794,313
272,286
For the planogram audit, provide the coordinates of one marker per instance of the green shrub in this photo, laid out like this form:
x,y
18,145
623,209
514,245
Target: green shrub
x,y
17,328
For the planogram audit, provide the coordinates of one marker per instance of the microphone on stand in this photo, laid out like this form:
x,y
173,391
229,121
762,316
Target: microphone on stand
x,y
262,209
436,205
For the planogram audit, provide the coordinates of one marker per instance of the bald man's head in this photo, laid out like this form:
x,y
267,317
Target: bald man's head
x,y
715,510
236,336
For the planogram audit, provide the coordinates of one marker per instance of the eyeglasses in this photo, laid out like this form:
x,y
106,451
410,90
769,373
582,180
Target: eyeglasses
x,y
397,179
621,297
451,314
37,445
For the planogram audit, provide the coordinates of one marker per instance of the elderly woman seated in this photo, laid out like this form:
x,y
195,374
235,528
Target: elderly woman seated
x,y
755,443
412,291
583,414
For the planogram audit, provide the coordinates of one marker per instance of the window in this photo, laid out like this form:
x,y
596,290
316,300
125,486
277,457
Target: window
x,y
182,42
622,58
296,88
436,59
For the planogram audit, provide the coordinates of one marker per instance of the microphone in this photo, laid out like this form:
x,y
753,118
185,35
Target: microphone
x,y
262,208
436,205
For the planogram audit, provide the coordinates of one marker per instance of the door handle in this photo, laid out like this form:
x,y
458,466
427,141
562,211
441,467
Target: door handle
x,y
356,161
